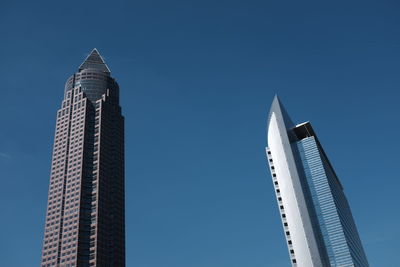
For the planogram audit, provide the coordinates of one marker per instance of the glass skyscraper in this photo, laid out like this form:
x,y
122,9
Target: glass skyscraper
x,y
85,218
316,217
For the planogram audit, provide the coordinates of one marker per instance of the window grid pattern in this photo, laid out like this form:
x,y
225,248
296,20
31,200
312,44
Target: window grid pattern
x,y
55,209
72,195
336,224
85,219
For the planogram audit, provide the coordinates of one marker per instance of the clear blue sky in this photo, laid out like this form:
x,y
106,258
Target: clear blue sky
x,y
197,79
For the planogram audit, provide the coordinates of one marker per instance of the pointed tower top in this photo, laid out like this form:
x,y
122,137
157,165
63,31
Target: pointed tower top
x,y
276,100
94,61
277,107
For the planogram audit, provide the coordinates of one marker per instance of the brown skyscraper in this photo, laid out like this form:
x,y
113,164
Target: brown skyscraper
x,y
85,220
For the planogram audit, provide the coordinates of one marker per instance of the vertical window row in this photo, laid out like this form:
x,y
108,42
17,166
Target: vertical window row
x,y
281,207
53,224
73,182
95,181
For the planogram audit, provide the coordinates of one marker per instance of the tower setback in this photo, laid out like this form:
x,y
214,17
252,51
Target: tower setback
x,y
85,219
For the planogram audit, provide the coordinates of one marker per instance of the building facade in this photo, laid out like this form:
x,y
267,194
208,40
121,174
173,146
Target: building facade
x,y
316,217
85,219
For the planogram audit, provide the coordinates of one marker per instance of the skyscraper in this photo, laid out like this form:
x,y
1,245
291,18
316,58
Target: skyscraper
x,y
85,220
316,217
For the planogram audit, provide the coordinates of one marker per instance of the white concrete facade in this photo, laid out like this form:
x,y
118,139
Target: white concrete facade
x,y
302,245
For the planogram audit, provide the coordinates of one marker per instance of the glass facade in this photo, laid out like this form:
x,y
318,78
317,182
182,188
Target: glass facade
x,y
325,216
